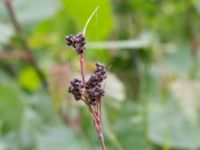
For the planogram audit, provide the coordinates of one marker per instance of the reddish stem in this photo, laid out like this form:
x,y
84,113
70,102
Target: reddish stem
x,y
96,112
100,107
101,140
82,67
95,116
98,127
27,48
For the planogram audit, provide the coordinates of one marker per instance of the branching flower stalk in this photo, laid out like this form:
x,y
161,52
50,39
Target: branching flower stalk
x,y
91,92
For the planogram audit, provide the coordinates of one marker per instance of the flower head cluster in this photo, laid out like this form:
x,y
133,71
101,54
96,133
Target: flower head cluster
x,y
94,94
77,42
94,87
97,77
76,88
92,91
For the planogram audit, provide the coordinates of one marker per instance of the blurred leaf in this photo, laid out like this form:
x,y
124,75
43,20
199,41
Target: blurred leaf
x,y
11,105
28,13
2,145
177,57
100,25
6,31
60,74
51,32
32,11
172,60
38,116
115,90
130,127
29,79
97,54
187,94
59,138
175,121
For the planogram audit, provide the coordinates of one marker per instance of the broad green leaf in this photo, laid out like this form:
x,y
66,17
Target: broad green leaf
x,y
100,25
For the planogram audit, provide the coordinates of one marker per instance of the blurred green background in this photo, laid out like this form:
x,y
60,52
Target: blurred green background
x,y
151,48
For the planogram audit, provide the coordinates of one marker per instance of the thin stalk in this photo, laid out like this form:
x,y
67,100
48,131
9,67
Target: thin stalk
x,y
91,110
101,140
89,19
96,112
98,126
101,134
82,67
27,48
100,113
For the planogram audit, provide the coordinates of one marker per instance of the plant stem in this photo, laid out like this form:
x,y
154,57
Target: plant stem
x,y
100,113
101,140
98,126
14,56
32,61
96,112
100,135
82,67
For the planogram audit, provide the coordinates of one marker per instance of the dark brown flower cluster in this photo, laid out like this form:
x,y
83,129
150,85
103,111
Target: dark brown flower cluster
x,y
77,42
76,88
93,87
97,77
95,94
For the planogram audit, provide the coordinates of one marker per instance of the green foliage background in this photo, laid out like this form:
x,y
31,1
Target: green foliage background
x,y
159,81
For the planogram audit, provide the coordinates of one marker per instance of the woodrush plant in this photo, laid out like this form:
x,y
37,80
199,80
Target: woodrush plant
x,y
91,91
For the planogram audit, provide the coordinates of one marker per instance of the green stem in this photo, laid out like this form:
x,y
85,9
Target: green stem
x,y
89,19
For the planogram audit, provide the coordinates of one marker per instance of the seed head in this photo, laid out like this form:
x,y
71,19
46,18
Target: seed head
x,y
77,42
76,88
95,94
97,77
94,87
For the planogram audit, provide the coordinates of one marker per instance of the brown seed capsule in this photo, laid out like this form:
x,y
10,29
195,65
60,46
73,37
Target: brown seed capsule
x,y
77,42
93,87
76,88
